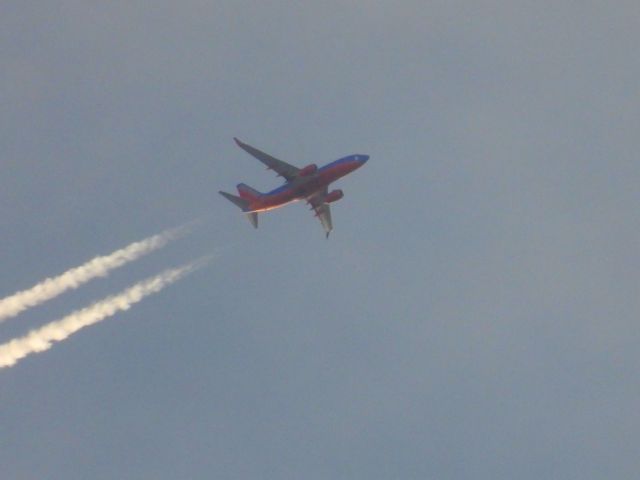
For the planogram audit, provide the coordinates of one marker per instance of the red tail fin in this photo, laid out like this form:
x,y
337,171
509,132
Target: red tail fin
x,y
246,192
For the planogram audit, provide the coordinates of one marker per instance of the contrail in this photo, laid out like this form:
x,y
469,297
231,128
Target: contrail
x,y
74,278
42,339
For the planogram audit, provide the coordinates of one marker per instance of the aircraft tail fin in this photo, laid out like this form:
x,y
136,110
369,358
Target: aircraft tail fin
x,y
246,192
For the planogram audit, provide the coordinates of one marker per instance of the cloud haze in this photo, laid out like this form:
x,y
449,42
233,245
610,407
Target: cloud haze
x,y
475,312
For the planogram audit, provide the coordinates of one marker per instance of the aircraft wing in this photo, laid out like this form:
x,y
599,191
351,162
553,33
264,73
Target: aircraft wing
x,y
283,169
323,212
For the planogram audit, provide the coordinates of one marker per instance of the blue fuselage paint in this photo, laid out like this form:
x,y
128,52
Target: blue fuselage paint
x,y
302,188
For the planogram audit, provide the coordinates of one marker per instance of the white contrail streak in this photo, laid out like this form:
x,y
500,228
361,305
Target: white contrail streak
x,y
74,278
42,339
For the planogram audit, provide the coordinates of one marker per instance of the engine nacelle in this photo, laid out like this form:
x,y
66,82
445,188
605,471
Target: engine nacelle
x,y
333,196
308,170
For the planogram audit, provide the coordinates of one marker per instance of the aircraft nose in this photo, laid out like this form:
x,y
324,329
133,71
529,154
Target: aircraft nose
x,y
363,158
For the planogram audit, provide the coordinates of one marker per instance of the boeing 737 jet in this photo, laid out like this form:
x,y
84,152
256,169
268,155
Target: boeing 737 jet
x,y
309,183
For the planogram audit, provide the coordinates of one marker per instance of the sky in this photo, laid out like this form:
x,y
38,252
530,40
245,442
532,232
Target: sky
x,y
474,313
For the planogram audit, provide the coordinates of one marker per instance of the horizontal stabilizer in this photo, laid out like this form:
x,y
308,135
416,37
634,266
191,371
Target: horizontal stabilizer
x,y
244,205
240,202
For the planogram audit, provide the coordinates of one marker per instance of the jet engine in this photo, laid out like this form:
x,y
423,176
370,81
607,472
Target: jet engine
x,y
333,196
308,170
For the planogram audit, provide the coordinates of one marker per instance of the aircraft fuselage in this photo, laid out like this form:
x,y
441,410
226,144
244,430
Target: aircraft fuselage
x,y
302,188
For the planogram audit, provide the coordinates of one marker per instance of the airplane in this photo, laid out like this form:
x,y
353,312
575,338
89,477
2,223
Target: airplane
x,y
309,183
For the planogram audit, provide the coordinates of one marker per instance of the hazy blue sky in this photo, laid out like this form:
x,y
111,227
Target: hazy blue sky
x,y
475,313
